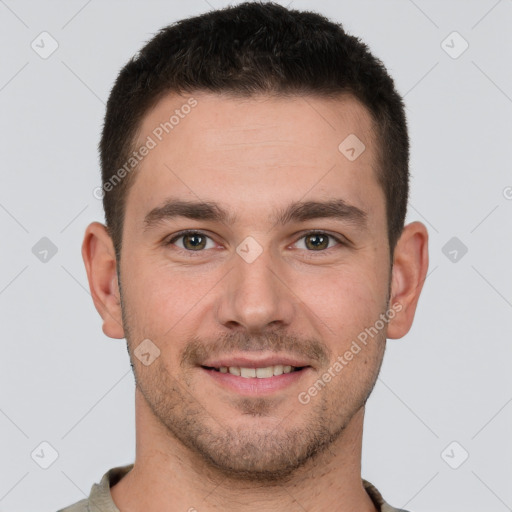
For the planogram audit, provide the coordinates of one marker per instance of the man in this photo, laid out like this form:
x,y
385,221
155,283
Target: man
x,y
255,182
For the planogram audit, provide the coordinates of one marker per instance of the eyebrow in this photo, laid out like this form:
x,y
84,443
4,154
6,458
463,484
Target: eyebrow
x,y
299,211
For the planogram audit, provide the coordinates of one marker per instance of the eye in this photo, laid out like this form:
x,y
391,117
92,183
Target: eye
x,y
196,241
317,241
192,241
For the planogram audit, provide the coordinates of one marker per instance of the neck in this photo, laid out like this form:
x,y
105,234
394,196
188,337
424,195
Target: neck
x,y
169,477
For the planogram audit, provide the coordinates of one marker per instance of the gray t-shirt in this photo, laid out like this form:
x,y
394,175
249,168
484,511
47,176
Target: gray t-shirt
x,y
100,499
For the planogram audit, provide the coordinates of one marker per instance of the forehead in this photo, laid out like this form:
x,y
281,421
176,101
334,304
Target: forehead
x,y
254,152
212,117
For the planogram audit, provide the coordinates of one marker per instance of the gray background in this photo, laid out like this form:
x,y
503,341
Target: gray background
x,y
63,382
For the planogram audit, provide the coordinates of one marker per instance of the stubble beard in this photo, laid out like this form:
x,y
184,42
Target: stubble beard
x,y
270,454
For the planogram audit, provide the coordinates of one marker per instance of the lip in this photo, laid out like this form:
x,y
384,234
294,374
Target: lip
x,y
254,386
254,362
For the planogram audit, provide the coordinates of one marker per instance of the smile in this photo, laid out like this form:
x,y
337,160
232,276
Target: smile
x,y
256,373
256,382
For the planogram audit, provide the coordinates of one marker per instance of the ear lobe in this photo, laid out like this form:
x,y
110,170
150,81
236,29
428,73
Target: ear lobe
x,y
100,263
410,265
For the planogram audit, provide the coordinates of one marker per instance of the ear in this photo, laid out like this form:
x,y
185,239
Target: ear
x,y
100,263
410,264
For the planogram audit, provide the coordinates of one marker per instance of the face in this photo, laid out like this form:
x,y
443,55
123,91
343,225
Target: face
x,y
252,243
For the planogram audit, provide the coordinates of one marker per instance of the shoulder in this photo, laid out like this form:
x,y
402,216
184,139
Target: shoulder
x,y
378,500
100,497
79,506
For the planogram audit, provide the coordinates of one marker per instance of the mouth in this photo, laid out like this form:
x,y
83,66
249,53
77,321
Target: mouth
x,y
264,372
256,378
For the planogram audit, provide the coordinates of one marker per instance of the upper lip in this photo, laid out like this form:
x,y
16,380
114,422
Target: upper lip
x,y
254,362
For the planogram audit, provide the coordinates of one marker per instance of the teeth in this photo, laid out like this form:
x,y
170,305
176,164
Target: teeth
x,y
264,373
248,372
278,369
259,373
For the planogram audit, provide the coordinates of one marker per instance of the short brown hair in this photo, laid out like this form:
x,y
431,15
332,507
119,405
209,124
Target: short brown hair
x,y
250,49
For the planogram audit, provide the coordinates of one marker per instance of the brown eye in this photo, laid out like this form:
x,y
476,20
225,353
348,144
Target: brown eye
x,y
192,241
317,241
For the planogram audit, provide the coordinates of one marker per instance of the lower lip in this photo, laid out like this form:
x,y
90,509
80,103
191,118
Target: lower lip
x,y
253,386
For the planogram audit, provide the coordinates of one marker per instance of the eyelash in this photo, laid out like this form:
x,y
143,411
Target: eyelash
x,y
190,253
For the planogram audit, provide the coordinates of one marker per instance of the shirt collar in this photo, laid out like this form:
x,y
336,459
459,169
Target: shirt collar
x,y
100,498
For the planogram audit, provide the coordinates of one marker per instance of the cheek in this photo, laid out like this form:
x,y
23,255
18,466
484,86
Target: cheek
x,y
163,300
346,299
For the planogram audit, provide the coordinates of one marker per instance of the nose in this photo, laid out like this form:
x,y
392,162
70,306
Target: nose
x,y
255,296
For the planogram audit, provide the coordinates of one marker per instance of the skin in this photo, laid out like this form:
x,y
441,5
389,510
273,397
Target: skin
x,y
198,444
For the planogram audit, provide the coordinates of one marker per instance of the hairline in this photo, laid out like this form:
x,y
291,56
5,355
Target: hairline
x,y
376,131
